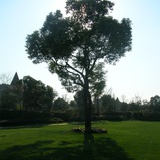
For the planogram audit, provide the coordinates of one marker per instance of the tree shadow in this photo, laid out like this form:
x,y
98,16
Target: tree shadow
x,y
103,149
90,149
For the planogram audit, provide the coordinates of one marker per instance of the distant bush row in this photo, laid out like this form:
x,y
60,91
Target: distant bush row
x,y
22,117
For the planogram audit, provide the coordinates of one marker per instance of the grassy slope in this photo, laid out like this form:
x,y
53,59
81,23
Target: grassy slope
x,y
124,141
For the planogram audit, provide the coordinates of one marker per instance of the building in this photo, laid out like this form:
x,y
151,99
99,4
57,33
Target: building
x,y
15,79
7,86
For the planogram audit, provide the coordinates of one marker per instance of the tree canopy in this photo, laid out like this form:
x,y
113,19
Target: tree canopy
x,y
75,45
37,96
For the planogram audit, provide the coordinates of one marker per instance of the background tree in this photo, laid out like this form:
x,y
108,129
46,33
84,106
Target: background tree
x,y
97,85
73,104
60,104
5,78
8,99
124,106
155,103
49,98
108,103
36,95
18,90
135,104
11,96
145,105
74,45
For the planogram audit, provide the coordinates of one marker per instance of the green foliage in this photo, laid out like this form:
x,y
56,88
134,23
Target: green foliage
x,y
27,94
93,9
36,95
60,104
74,44
8,99
155,103
108,103
97,80
72,104
75,47
69,115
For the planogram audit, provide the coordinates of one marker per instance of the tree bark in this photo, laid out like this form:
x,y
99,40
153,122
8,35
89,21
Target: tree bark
x,y
87,96
87,107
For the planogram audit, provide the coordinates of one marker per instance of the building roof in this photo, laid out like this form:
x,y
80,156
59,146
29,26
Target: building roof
x,y
15,79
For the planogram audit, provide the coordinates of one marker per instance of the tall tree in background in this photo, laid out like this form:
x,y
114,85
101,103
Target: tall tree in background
x,y
74,45
37,96
155,103
8,99
60,104
97,85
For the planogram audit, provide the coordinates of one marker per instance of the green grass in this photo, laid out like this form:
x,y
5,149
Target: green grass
x,y
128,140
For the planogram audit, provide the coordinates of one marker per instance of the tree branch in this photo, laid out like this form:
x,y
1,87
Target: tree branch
x,y
94,62
74,69
74,80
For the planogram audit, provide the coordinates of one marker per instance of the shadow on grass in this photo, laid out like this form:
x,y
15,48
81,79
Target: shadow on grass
x,y
90,149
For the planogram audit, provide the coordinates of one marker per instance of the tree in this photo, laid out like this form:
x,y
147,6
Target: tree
x,y
124,106
60,104
8,99
108,103
10,95
98,88
155,103
49,97
74,45
5,78
36,95
136,104
97,85
73,104
18,90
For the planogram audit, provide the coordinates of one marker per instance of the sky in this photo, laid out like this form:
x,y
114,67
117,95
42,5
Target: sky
x,y
136,74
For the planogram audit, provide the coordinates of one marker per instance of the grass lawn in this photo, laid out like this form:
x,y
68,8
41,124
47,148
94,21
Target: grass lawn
x,y
128,140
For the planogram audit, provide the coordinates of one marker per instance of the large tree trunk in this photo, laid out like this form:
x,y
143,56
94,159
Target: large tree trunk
x,y
87,96
87,107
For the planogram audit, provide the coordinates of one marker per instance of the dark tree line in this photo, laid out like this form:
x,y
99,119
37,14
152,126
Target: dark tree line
x,y
32,95
27,94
